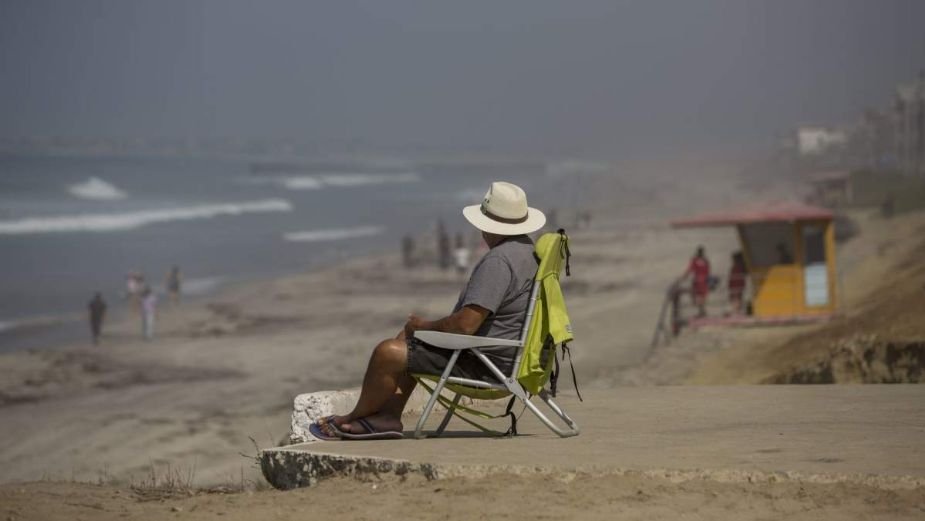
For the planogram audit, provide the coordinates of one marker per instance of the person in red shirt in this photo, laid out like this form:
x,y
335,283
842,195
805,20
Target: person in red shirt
x,y
699,270
736,282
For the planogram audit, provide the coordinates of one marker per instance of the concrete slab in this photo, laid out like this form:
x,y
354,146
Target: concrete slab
x,y
871,434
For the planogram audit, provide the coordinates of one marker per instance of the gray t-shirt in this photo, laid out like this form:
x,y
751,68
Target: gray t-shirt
x,y
501,283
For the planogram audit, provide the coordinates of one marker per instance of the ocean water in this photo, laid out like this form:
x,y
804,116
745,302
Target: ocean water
x,y
71,226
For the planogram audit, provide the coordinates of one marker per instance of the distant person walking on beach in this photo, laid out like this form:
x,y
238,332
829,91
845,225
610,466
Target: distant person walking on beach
x,y
407,251
736,282
443,246
172,282
148,312
97,309
134,284
584,219
699,270
461,255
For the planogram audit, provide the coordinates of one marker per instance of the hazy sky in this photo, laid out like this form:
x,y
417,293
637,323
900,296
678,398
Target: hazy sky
x,y
598,77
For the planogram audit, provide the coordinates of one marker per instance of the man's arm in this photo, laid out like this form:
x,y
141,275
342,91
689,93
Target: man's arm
x,y
466,321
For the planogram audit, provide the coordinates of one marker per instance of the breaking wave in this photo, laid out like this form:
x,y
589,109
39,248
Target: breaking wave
x,y
201,286
131,220
301,183
369,179
571,167
97,189
37,321
345,180
333,234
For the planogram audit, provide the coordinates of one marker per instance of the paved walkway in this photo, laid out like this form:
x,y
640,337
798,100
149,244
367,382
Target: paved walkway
x,y
873,433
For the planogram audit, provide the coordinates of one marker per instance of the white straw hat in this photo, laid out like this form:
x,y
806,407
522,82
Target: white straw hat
x,y
505,212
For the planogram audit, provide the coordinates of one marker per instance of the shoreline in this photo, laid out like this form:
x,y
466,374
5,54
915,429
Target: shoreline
x,y
50,329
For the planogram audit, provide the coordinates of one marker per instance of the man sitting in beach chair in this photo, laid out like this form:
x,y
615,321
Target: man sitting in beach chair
x,y
493,304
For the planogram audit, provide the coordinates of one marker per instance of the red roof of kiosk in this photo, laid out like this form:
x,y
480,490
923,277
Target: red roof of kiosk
x,y
787,211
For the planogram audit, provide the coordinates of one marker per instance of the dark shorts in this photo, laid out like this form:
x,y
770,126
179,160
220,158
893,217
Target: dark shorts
x,y
426,359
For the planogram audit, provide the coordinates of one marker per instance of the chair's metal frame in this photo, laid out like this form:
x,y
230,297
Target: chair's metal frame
x,y
459,343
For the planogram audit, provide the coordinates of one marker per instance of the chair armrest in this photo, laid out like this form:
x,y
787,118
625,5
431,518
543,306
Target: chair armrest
x,y
454,341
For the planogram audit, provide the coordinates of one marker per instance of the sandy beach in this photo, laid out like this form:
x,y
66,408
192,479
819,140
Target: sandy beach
x,y
572,497
217,382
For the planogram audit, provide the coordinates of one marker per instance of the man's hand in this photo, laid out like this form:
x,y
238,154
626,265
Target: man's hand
x,y
415,323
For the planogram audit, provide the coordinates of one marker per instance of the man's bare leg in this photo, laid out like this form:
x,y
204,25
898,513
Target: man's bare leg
x,y
389,417
386,389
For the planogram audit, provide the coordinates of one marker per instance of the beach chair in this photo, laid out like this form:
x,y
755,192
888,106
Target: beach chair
x,y
546,330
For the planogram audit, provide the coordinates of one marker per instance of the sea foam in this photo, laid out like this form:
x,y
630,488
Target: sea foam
x,y
301,183
368,179
97,189
201,286
131,220
339,180
333,234
37,321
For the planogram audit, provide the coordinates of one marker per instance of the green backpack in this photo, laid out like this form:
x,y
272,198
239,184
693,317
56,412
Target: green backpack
x,y
550,325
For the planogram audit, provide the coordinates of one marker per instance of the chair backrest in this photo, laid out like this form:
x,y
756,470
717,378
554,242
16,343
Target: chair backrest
x,y
547,319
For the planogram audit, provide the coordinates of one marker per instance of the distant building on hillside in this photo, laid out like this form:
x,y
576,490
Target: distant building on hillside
x,y
872,141
909,125
891,138
815,140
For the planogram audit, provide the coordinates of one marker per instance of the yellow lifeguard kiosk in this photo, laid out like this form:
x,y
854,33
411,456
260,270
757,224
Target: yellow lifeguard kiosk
x,y
789,251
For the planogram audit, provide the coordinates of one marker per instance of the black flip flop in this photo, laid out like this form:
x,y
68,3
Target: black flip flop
x,y
325,430
371,433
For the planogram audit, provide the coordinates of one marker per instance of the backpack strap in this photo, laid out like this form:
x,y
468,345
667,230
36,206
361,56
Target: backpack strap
x,y
554,377
565,252
568,350
512,431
